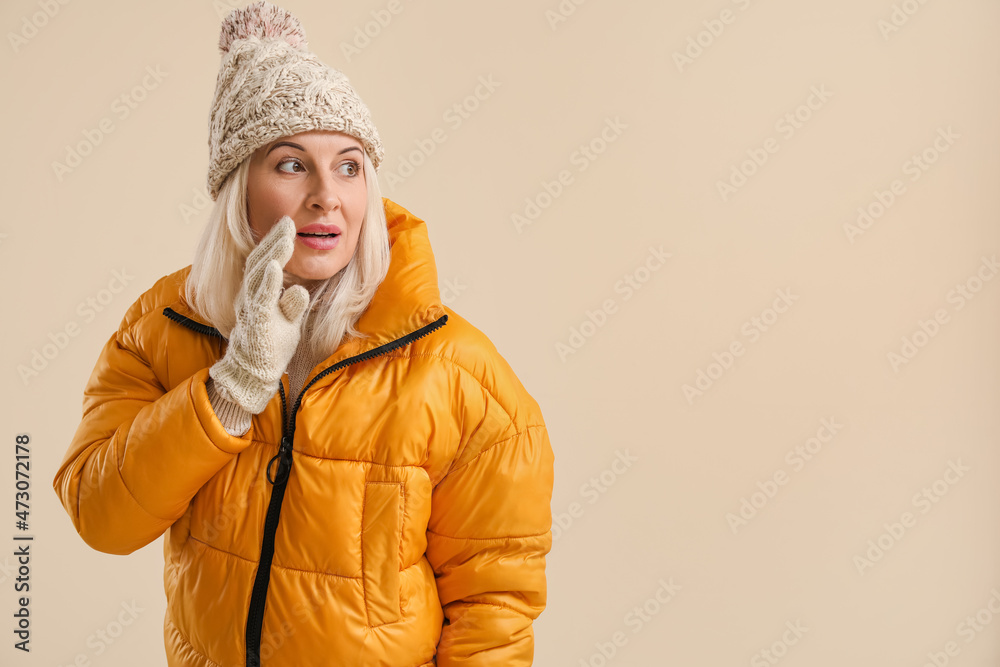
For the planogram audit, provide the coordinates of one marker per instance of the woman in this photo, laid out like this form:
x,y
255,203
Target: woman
x,y
346,471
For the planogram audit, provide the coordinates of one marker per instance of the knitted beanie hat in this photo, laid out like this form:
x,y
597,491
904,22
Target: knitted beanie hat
x,y
270,86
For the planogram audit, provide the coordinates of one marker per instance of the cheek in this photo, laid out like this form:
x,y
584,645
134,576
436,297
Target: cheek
x,y
264,207
265,197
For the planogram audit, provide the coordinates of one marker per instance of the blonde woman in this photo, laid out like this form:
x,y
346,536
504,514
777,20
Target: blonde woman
x,y
344,470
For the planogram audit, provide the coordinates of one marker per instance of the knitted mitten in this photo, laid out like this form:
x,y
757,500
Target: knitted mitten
x,y
234,418
267,327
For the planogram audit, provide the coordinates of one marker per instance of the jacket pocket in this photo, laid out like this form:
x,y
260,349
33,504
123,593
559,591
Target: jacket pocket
x,y
381,533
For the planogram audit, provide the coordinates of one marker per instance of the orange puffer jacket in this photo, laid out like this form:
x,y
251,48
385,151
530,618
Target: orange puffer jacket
x,y
400,518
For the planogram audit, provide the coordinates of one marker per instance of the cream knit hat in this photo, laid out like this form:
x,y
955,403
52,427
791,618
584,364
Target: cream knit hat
x,y
270,86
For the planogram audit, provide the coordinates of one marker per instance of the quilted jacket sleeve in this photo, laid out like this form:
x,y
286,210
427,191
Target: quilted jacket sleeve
x,y
140,453
489,532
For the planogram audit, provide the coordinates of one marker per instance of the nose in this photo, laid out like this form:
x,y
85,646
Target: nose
x,y
323,194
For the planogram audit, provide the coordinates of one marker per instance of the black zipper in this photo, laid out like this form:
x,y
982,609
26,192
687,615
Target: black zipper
x,y
192,324
255,615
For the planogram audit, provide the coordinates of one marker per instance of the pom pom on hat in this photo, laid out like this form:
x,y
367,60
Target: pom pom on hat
x,y
261,20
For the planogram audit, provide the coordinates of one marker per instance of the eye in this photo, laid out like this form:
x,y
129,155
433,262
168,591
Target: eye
x,y
355,167
292,161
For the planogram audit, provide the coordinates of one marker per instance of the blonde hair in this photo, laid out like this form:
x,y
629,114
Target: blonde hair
x,y
335,305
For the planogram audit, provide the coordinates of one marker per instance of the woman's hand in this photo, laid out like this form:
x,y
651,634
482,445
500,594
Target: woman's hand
x,y
267,327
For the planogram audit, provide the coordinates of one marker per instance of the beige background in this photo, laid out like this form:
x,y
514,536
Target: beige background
x,y
136,205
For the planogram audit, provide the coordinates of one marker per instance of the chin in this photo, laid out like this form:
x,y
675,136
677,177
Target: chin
x,y
316,273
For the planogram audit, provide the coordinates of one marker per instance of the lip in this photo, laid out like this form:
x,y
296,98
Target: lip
x,y
319,243
319,228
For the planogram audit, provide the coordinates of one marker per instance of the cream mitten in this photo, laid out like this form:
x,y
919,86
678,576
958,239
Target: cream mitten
x,y
234,418
268,324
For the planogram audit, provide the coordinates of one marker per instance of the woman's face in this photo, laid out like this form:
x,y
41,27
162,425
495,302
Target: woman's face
x,y
317,179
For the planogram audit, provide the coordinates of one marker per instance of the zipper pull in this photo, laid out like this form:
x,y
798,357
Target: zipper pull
x,y
284,459
285,451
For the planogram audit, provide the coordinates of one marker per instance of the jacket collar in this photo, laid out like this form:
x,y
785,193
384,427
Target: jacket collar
x,y
406,300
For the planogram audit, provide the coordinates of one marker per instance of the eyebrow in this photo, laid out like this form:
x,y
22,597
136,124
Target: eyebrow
x,y
294,145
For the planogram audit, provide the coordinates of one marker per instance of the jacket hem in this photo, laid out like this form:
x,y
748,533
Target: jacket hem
x,y
188,656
